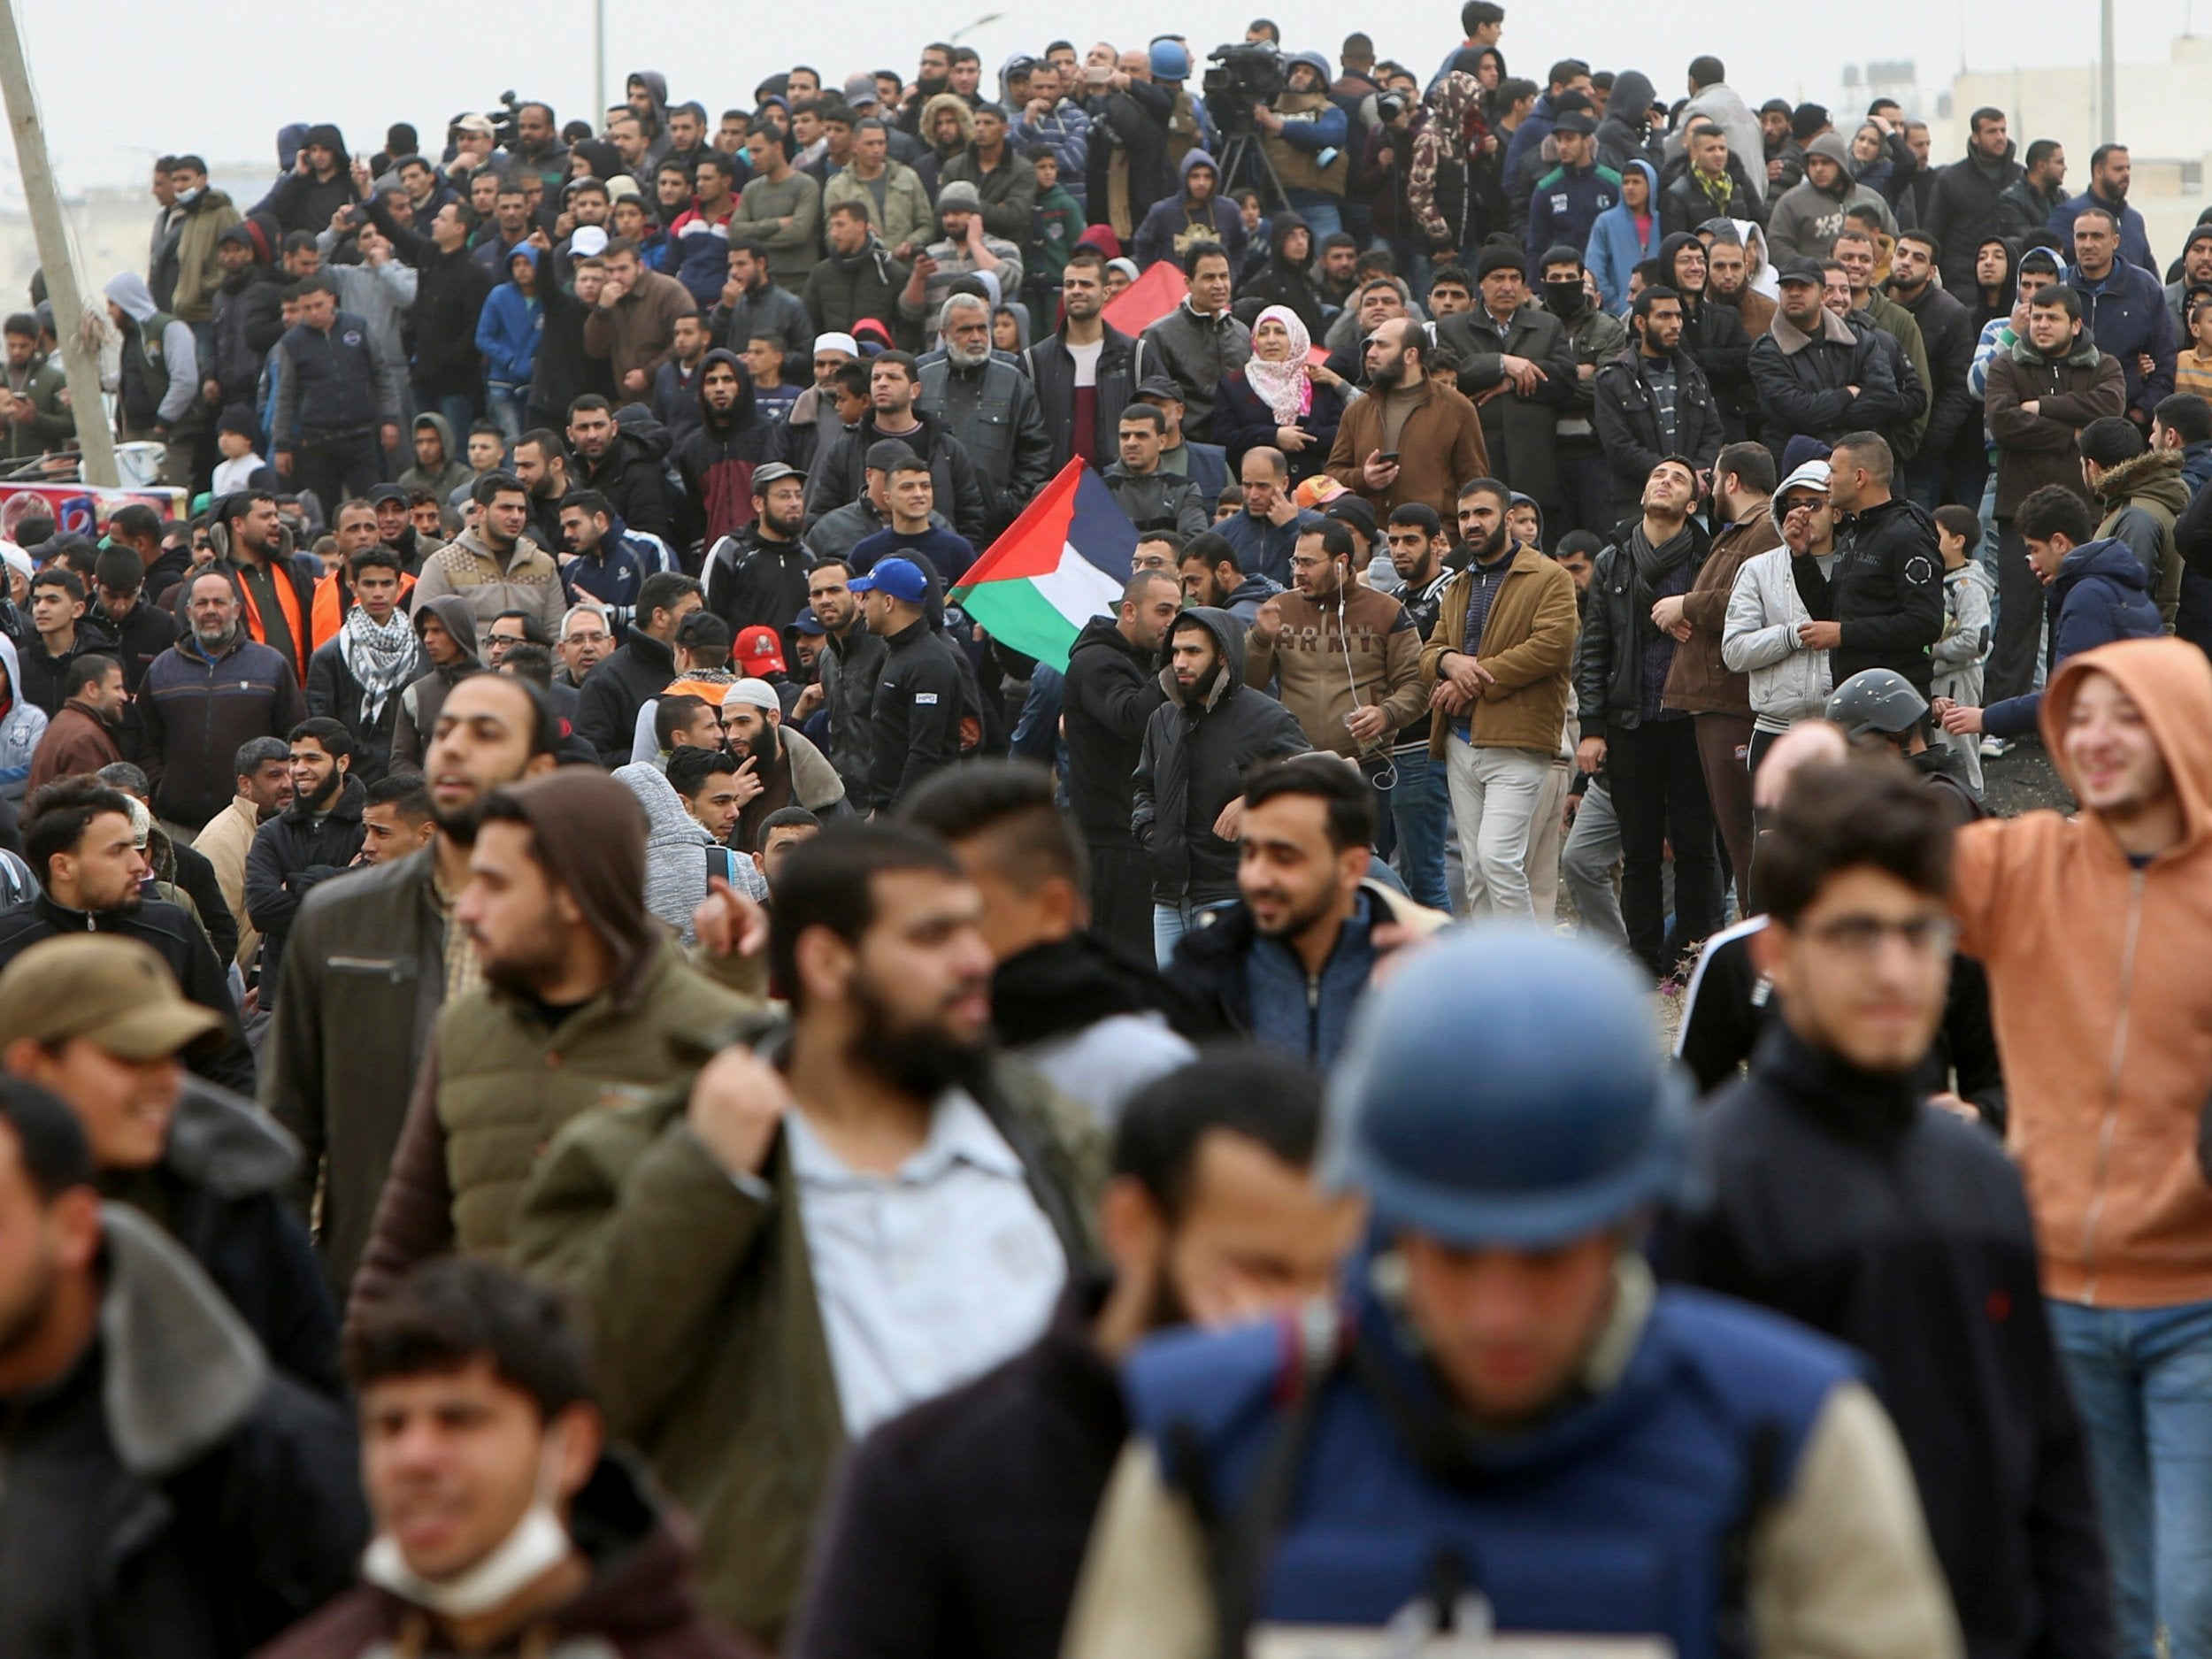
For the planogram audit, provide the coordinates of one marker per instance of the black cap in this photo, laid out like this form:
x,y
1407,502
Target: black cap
x,y
1776,106
1161,386
886,453
1802,271
1574,121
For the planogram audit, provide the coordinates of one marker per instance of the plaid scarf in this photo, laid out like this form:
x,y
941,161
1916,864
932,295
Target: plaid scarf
x,y
380,659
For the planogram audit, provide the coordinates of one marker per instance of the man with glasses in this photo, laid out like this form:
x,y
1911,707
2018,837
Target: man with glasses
x,y
1841,1196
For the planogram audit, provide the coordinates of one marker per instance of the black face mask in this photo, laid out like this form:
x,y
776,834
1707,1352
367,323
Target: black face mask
x,y
1564,299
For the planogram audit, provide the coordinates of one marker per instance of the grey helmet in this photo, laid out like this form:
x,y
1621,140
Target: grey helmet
x,y
1876,700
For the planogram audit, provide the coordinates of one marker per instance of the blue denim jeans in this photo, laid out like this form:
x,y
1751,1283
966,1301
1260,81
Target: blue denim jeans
x,y
2142,1380
1421,806
1170,922
1323,218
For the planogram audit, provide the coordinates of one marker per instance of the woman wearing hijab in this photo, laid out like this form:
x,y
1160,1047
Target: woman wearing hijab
x,y
1280,399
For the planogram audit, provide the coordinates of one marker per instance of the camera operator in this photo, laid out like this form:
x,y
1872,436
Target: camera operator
x,y
1303,133
1129,165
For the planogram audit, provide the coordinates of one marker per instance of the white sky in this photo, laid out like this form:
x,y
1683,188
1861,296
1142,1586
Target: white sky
x,y
122,80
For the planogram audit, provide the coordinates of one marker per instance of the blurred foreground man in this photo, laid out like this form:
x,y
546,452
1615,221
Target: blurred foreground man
x,y
960,1527
866,1211
168,1496
1512,1425
503,1524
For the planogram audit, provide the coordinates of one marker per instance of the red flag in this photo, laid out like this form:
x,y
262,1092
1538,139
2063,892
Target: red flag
x,y
1155,293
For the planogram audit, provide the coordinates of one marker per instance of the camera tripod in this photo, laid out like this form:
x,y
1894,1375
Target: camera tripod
x,y
1244,149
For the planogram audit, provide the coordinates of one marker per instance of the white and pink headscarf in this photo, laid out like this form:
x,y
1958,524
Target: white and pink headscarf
x,y
1283,387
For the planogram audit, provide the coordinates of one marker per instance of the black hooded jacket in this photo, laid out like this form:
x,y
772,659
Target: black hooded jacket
x,y
716,459
1193,762
628,473
1842,1199
300,201
1107,702
292,854
1281,282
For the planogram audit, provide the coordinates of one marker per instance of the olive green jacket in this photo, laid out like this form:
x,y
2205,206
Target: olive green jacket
x,y
497,1086
699,1305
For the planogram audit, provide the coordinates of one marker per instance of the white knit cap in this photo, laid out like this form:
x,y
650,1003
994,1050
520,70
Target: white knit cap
x,y
757,693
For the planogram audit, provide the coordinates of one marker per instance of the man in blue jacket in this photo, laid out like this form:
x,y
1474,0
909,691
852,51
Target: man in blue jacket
x,y
2110,171
1508,1421
2125,308
333,418
2099,593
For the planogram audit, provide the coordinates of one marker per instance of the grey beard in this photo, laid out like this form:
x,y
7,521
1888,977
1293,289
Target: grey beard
x,y
960,358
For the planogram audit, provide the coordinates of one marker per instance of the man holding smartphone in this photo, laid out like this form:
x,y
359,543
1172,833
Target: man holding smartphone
x,y
1412,438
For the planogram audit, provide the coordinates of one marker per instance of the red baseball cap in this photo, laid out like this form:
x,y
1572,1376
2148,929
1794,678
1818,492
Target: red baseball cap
x,y
760,650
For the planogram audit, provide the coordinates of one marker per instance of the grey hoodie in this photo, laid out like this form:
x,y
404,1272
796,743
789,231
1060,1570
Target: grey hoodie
x,y
1807,219
21,727
676,847
179,353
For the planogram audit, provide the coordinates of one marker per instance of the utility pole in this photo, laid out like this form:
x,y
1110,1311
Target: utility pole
x,y
2108,113
51,231
598,60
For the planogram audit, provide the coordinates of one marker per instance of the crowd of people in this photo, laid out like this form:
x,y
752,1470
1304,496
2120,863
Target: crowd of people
x,y
589,1066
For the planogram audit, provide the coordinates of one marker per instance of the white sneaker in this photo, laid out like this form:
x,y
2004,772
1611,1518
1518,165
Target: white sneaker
x,y
1993,747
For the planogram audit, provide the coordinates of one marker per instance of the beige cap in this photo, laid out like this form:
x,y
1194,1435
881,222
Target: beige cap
x,y
117,992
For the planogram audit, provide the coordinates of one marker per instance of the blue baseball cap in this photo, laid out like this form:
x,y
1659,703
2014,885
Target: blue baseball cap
x,y
806,622
901,578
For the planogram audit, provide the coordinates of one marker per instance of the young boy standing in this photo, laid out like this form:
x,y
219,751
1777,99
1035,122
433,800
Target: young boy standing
x,y
1965,647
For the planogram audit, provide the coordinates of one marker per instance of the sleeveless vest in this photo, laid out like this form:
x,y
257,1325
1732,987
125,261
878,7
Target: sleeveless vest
x,y
144,372
1625,1514
1299,169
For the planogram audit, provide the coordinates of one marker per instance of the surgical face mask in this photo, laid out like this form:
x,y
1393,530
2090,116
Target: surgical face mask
x,y
185,199
538,1544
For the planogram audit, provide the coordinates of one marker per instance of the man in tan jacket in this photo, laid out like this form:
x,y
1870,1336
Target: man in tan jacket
x,y
1496,671
1347,658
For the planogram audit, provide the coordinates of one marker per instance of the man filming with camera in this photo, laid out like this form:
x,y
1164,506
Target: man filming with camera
x,y
1301,129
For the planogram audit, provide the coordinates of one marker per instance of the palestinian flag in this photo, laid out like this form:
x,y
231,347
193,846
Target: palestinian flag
x,y
1064,561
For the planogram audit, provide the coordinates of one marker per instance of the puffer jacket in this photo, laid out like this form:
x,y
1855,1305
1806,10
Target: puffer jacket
x,y
2143,498
508,327
676,848
2098,596
1194,763
21,726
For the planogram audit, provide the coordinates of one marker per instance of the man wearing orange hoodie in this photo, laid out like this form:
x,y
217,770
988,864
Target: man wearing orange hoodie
x,y
2095,930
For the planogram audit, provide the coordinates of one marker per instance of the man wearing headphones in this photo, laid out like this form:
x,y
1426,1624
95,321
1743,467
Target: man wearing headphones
x,y
1347,658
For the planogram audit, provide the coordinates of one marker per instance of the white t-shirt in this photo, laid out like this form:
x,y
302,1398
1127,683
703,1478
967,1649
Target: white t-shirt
x,y
1086,361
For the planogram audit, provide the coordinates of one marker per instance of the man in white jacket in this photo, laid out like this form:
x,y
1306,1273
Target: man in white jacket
x,y
1776,592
